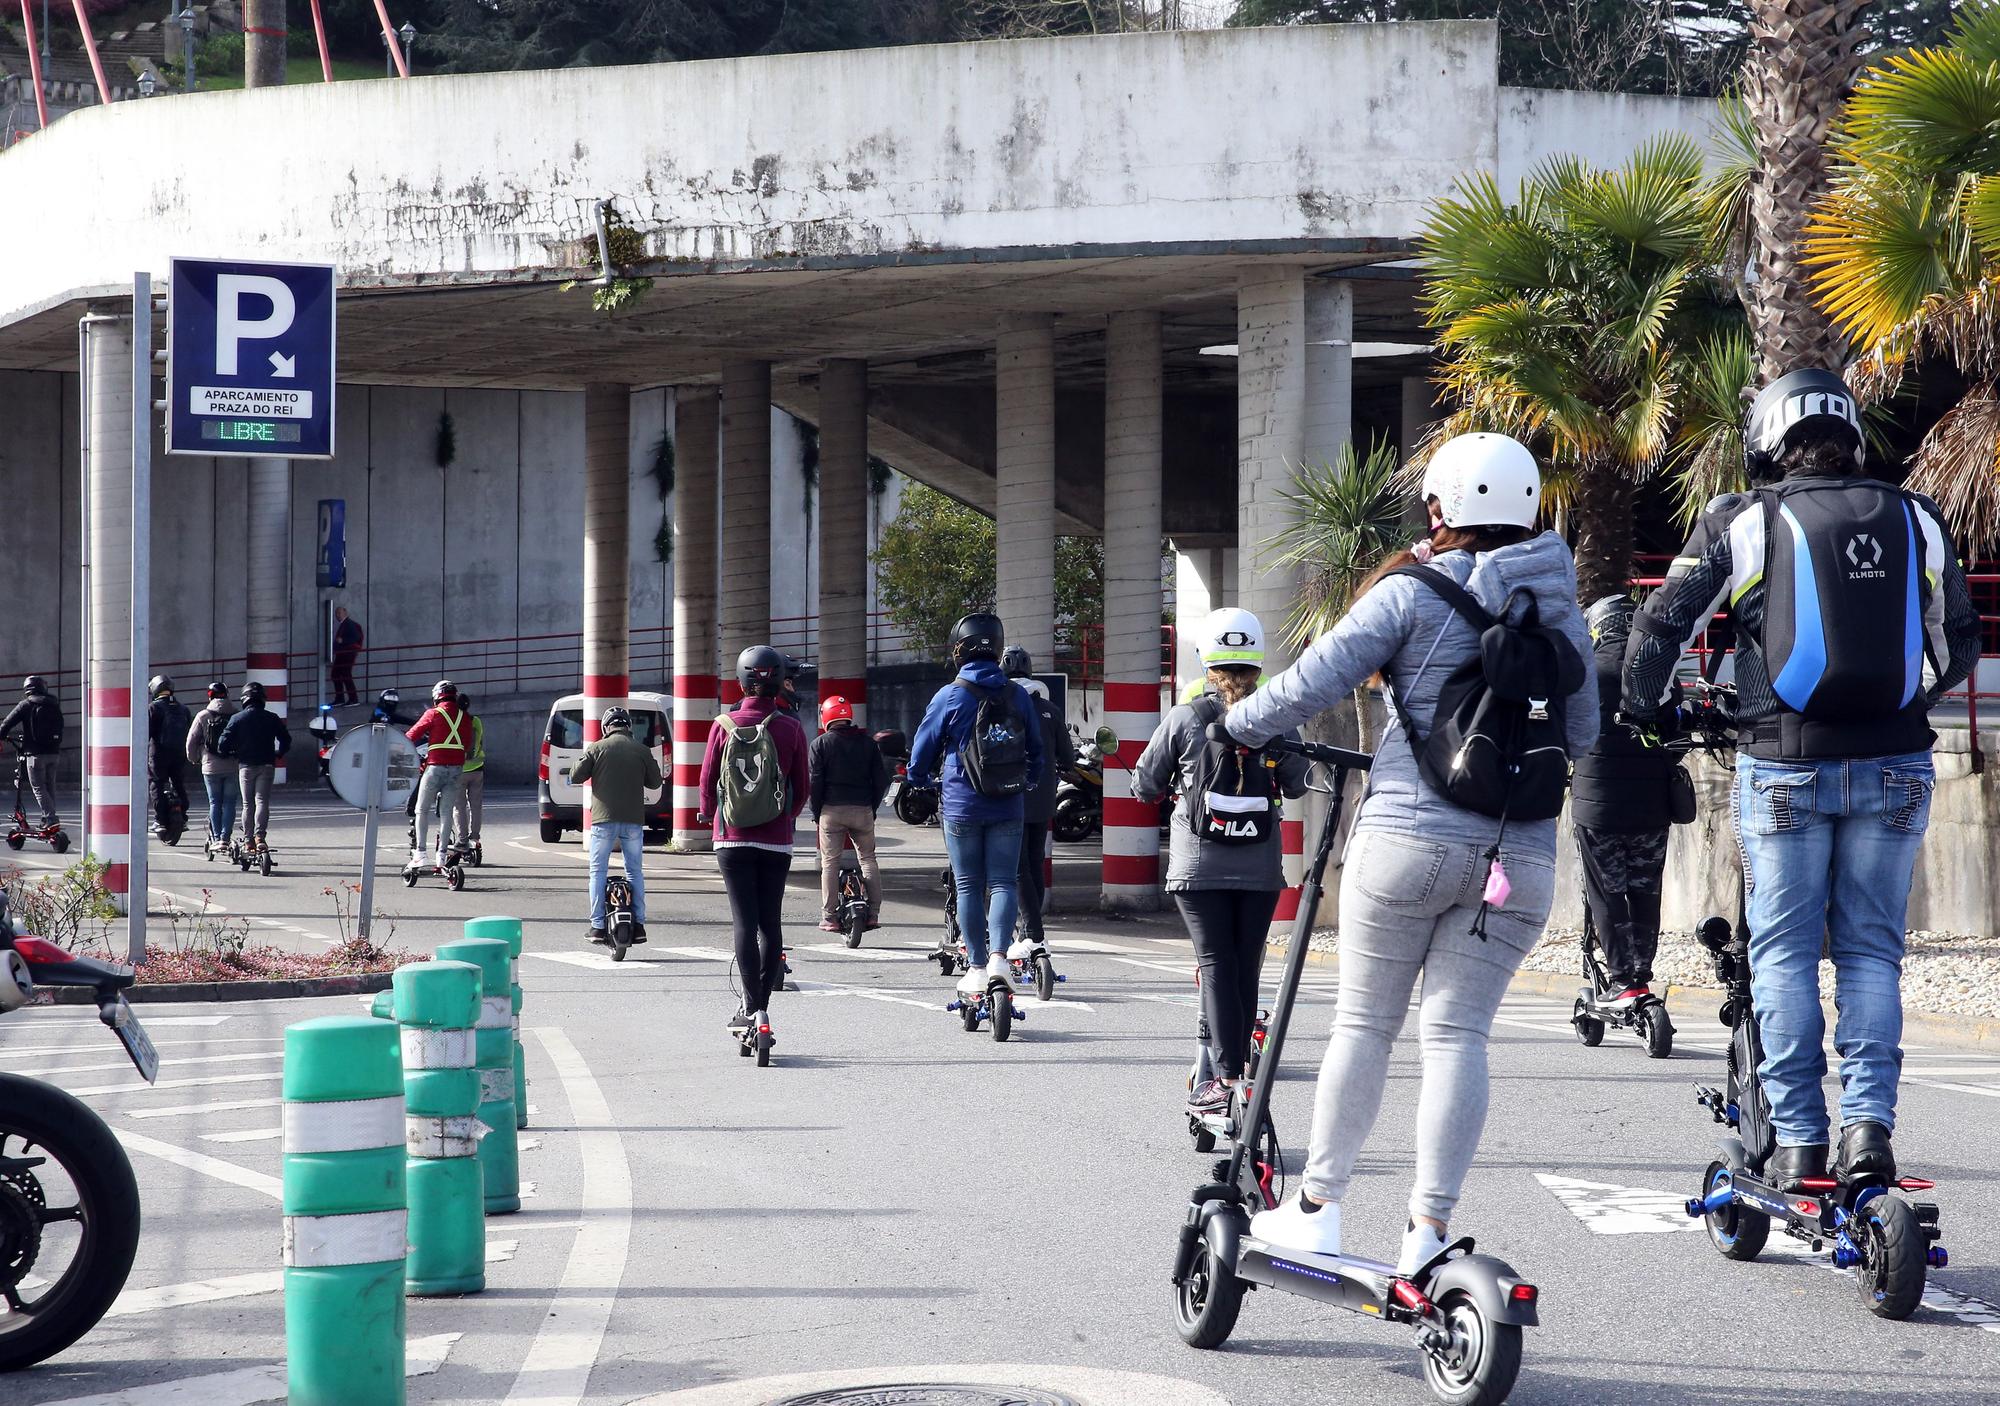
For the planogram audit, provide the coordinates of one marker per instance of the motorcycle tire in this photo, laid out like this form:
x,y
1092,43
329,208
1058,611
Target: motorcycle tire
x,y
1073,824
67,1132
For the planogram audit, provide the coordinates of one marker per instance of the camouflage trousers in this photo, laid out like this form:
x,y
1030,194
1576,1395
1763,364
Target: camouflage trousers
x,y
1621,881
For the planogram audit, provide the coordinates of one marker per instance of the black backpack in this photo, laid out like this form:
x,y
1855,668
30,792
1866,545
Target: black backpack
x,y
213,721
994,755
1234,800
1497,744
44,725
174,722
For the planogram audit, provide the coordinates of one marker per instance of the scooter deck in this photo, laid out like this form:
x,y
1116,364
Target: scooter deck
x,y
1350,1282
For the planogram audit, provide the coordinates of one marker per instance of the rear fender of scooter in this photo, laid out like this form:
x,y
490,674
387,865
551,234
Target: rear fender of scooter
x,y
1733,1153
1489,1283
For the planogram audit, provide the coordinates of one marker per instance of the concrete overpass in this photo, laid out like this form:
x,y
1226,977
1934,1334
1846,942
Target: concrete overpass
x,y
995,265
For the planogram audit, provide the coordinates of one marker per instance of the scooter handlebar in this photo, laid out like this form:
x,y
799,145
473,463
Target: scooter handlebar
x,y
1343,757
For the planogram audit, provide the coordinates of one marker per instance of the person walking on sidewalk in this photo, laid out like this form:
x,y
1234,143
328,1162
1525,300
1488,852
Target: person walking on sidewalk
x,y
849,778
755,779
981,744
619,769
218,773
444,727
1225,861
35,724
255,738
472,803
347,641
1038,806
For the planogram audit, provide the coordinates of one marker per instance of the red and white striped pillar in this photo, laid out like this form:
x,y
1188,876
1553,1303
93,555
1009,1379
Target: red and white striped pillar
x,y
1132,409
743,606
607,557
843,534
110,761
267,596
696,450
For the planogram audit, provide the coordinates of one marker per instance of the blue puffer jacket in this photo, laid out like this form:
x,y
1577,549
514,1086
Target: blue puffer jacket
x,y
947,723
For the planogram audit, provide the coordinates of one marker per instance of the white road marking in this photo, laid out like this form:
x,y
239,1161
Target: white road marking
x,y
203,1082
529,1191
180,1109
706,954
1609,1209
592,961
72,1022
500,1251
201,1162
234,1286
245,1135
263,1055
76,1047
247,1386
556,1371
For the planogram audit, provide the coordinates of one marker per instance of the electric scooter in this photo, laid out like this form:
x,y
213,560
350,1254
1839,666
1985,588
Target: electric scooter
x,y
451,868
1594,1011
950,951
995,1006
1207,1129
20,832
853,910
1465,1310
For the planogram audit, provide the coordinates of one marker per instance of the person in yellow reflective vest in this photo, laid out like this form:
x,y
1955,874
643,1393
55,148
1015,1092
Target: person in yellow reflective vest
x,y
472,802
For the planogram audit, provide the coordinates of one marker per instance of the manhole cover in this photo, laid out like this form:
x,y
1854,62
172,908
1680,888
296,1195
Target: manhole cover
x,y
927,1394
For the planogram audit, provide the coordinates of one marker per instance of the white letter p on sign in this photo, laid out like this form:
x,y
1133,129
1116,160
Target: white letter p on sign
x,y
231,327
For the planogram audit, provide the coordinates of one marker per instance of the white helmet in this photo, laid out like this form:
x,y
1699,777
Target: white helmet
x,y
1484,480
1232,636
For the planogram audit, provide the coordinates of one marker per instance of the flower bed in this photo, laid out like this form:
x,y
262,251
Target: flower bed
x,y
267,963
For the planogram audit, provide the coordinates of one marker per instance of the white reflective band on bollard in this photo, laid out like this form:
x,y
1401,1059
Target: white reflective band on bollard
x,y
344,1125
320,1242
495,1085
496,1013
439,1049
443,1137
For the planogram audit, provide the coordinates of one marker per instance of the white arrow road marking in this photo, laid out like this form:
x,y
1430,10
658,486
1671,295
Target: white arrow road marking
x,y
249,1385
1608,1209
556,1371
201,1162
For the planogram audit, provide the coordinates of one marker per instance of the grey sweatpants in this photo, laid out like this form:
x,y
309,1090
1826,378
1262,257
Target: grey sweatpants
x,y
472,805
1407,905
438,798
255,783
42,781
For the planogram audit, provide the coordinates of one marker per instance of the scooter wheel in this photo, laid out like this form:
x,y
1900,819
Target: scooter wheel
x,y
1479,1363
264,862
1002,1004
1659,1029
1204,1140
764,1043
1589,1029
454,878
409,878
1045,977
968,1013
60,844
1737,1231
1891,1272
1207,1301
16,841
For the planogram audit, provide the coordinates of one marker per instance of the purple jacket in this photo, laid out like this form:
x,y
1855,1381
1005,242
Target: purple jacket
x,y
790,739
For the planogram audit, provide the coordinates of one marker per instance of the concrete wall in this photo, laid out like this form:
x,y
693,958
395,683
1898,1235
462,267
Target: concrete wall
x,y
1249,137
1602,128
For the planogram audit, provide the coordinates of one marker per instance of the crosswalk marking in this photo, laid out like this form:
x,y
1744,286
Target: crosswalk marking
x,y
245,1135
203,1163
179,1110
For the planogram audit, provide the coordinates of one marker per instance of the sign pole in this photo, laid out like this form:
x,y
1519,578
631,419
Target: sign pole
x,y
378,772
140,894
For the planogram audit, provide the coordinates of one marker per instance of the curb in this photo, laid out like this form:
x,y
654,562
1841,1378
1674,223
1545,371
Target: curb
x,y
1926,1025
358,984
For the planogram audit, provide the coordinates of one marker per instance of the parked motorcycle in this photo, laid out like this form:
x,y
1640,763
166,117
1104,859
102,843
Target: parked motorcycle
x,y
914,805
1080,796
69,1206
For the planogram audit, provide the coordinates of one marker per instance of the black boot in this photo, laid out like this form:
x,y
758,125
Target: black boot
x,y
1789,1165
1865,1154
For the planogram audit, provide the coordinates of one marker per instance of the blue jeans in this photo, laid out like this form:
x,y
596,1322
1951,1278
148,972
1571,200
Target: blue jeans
x,y
1831,847
222,794
631,843
986,865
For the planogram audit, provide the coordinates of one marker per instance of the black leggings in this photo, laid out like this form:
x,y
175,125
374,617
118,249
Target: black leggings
x,y
1230,928
755,880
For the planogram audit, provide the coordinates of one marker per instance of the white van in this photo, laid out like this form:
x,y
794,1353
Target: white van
x,y
562,745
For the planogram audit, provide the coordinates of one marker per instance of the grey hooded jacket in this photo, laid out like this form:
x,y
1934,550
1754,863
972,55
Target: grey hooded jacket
x,y
1407,632
1168,764
211,763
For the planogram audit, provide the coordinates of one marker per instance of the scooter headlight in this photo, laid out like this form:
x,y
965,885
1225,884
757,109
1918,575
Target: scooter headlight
x,y
17,984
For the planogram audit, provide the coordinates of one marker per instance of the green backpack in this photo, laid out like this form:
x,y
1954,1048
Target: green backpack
x,y
752,789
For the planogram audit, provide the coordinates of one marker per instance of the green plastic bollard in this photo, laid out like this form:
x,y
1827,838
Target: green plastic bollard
x,y
438,1003
345,1222
499,1148
508,930
383,1007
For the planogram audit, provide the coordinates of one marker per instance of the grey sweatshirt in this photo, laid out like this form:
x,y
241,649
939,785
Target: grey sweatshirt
x,y
1168,764
1395,628
211,763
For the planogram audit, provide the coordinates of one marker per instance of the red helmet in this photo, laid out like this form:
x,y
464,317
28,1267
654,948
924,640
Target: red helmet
x,y
835,710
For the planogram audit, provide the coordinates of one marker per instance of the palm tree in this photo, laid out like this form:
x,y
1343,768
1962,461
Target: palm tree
x,y
1346,517
1800,64
1575,318
1905,250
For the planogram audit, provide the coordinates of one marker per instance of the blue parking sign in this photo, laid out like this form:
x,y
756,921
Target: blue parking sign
x,y
250,359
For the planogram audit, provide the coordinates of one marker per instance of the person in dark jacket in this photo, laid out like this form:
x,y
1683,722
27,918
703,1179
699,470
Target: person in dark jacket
x,y
1621,796
35,725
347,642
255,738
1038,807
850,777
166,735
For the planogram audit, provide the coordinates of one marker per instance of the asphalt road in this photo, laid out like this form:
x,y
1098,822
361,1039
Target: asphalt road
x,y
897,1200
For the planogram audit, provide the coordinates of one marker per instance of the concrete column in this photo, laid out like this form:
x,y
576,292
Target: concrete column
x,y
1419,409
114,766
1329,353
267,594
744,606
696,453
1132,431
843,533
263,43
607,554
1024,508
1204,580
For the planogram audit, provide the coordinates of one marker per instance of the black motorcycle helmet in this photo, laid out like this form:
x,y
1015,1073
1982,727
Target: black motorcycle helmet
x,y
218,689
34,684
1609,618
1798,402
253,695
158,685
760,671
979,635
1017,663
616,720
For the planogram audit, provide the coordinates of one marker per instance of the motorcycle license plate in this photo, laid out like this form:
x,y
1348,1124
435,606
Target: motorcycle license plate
x,y
132,1035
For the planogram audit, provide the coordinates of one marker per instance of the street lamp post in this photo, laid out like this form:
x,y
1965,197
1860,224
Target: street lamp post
x,y
408,34
147,84
186,21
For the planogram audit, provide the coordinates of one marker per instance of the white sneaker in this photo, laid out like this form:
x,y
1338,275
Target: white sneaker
x,y
1292,1227
973,983
1421,1243
998,970
1024,948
